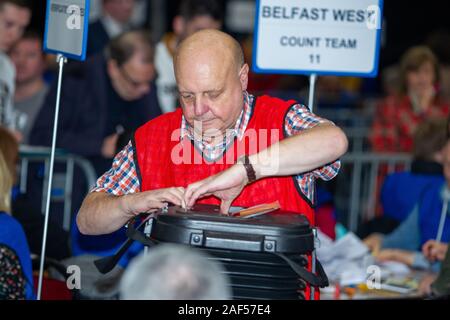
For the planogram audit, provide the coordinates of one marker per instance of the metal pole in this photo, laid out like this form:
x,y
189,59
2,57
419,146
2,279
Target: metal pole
x,y
70,166
61,60
312,87
23,175
442,220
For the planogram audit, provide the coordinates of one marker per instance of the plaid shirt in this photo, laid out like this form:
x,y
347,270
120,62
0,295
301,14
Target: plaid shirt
x,y
122,177
396,121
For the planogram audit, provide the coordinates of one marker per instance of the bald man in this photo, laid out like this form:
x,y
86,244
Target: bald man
x,y
224,146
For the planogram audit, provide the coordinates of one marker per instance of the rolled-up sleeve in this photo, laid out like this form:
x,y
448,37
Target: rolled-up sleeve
x,y
122,178
298,119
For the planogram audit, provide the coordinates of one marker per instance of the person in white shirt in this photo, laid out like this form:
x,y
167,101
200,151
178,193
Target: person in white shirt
x,y
31,89
193,15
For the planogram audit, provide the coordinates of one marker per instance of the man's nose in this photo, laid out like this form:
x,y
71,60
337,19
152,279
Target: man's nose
x,y
200,108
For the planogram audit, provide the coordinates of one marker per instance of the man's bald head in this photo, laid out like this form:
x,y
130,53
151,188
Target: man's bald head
x,y
213,43
211,79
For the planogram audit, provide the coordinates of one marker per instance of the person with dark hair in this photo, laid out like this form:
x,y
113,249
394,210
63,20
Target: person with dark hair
x,y
398,116
110,93
426,168
115,20
15,15
428,220
31,89
193,15
400,190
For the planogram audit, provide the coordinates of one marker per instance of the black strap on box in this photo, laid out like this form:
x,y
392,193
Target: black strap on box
x,y
105,265
316,280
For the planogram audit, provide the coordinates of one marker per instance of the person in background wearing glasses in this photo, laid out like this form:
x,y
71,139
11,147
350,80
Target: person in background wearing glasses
x,y
110,94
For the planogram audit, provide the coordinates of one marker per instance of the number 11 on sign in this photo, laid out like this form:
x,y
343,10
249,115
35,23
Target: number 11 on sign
x,y
314,58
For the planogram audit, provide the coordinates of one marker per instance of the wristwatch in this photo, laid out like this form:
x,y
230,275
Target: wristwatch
x,y
251,174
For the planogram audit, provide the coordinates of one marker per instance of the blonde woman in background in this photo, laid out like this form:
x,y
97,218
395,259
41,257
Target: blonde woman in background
x,y
16,281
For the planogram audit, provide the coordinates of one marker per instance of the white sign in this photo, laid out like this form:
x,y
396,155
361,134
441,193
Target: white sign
x,y
66,28
318,36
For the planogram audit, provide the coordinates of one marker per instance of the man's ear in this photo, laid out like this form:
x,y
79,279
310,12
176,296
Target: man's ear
x,y
112,68
243,76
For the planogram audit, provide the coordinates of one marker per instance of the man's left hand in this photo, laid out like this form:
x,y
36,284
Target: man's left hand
x,y
226,186
406,257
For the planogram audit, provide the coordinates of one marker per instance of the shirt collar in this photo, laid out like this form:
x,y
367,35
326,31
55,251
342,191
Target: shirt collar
x,y
239,127
112,27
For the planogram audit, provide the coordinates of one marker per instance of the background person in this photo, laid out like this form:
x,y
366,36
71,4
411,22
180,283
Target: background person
x,y
398,116
31,89
177,273
193,15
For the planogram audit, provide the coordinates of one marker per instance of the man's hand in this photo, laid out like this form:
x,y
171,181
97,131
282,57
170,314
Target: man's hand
x,y
103,213
434,251
226,185
425,284
373,242
403,256
153,200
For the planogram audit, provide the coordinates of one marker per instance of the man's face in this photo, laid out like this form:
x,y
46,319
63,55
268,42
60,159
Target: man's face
x,y
29,61
199,23
120,10
13,21
211,92
132,80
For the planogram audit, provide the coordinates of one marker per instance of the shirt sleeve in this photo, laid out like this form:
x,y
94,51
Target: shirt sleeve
x,y
298,119
122,178
407,235
420,262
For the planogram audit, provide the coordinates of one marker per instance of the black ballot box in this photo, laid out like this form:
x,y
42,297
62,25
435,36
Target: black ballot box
x,y
265,257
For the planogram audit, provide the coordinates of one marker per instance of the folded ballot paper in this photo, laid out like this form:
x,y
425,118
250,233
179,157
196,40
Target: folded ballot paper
x,y
347,261
256,210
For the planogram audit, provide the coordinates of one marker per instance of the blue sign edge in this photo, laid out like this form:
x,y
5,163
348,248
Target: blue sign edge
x,y
81,57
371,74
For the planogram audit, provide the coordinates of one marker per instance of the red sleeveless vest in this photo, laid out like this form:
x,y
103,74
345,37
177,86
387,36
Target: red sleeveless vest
x,y
164,161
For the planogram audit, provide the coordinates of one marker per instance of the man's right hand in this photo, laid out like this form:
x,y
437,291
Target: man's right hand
x,y
434,250
150,201
373,242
